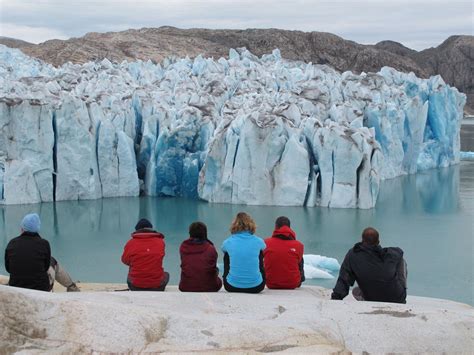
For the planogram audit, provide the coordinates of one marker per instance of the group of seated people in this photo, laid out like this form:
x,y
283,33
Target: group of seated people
x,y
250,263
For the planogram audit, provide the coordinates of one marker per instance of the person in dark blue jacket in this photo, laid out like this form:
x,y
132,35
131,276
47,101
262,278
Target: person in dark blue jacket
x,y
243,257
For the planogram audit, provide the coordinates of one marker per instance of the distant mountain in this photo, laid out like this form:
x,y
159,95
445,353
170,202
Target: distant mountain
x,y
453,59
14,43
395,48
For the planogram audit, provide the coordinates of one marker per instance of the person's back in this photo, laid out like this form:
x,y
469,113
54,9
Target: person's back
x,y
380,272
28,256
243,250
144,255
283,257
199,272
243,257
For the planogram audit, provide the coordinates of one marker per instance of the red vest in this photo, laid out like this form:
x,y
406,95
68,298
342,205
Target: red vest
x,y
144,255
282,258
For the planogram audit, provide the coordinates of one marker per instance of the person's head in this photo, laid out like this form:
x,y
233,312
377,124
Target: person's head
x,y
198,230
143,224
282,221
370,236
243,223
31,223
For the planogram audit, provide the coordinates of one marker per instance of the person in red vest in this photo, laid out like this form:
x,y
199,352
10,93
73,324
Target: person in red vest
x,y
144,255
199,272
283,257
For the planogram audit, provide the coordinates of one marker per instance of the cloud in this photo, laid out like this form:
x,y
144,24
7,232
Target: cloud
x,y
30,34
417,23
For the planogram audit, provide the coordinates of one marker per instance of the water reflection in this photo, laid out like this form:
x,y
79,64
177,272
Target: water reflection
x,y
431,191
429,215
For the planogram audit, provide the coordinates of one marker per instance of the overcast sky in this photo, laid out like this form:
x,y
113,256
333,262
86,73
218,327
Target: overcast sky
x,y
417,24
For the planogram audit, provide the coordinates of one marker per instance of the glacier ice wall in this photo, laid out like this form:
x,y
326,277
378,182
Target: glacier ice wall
x,y
240,130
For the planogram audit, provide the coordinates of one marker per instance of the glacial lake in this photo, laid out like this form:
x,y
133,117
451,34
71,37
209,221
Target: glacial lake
x,y
429,215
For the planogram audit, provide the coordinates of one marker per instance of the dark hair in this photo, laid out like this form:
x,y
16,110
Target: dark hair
x,y
282,221
370,236
198,230
143,223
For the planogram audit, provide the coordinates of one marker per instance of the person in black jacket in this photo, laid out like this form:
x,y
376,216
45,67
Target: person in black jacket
x,y
30,264
381,273
28,257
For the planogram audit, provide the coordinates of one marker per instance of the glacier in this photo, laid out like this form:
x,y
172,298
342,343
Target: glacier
x,y
243,130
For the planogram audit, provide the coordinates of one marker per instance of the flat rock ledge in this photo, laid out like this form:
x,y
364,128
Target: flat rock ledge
x,y
300,321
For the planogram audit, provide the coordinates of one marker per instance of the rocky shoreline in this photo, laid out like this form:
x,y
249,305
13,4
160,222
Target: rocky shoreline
x,y
298,321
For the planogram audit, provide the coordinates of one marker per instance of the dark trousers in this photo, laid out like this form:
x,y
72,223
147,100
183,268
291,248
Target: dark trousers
x,y
402,276
257,289
186,288
162,286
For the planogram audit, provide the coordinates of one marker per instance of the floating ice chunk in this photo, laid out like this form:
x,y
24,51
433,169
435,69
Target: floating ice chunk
x,y
312,272
320,267
467,155
322,262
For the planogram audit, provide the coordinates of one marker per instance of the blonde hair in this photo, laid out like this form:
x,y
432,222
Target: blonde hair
x,y
243,222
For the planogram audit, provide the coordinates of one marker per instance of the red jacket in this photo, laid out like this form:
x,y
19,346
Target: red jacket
x,y
283,259
198,266
144,255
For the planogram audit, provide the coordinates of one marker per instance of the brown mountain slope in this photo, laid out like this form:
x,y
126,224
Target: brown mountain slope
x,y
453,59
14,43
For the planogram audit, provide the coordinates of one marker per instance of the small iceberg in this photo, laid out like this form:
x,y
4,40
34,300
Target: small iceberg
x,y
320,267
467,155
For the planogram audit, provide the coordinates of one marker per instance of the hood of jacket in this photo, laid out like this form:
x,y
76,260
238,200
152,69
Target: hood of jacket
x,y
30,234
146,233
372,249
378,251
284,232
195,246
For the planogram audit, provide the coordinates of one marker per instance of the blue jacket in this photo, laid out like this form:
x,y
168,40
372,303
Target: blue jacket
x,y
244,251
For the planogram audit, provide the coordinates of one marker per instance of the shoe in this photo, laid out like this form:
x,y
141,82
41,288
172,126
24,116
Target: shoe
x,y
73,288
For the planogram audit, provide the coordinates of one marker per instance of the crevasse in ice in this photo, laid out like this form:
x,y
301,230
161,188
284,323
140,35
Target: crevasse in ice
x,y
240,130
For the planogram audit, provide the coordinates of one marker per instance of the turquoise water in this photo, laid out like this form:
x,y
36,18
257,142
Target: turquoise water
x,y
430,215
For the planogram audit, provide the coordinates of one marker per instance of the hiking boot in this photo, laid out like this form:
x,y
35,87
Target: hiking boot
x,y
73,288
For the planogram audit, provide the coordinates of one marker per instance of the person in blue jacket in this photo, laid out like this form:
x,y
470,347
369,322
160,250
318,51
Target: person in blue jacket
x,y
243,257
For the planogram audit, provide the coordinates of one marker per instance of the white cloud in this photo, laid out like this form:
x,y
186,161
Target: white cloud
x,y
30,34
415,23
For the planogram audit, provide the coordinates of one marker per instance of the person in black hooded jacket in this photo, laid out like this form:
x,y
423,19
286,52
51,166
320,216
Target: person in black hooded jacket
x,y
28,257
380,273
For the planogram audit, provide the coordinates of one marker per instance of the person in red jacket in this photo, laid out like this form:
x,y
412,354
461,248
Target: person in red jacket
x,y
198,262
283,257
144,255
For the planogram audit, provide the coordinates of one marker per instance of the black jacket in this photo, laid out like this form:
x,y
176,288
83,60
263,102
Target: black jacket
x,y
379,272
27,259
